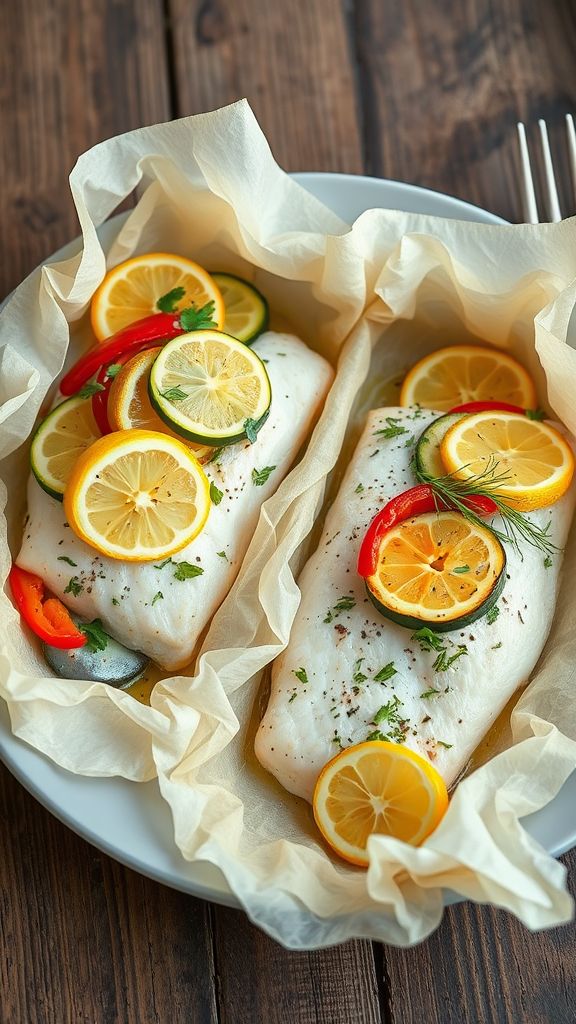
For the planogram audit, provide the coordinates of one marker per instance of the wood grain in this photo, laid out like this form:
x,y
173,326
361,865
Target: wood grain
x,y
482,965
261,982
84,939
290,59
72,73
445,83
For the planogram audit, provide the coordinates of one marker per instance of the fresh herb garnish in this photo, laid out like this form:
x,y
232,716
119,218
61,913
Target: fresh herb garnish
x,y
64,558
74,587
216,494
517,527
441,743
492,614
113,370
445,660
392,430
92,388
385,673
96,637
115,600
548,562
535,414
198,319
429,693
301,674
222,554
344,604
428,640
186,571
359,489
357,675
461,568
496,647
162,564
260,476
158,596
175,394
397,725
251,429
167,303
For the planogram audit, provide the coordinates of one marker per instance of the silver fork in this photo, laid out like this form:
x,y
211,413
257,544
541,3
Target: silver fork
x,y
551,197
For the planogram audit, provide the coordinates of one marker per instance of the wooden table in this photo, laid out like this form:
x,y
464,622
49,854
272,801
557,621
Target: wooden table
x,y
426,92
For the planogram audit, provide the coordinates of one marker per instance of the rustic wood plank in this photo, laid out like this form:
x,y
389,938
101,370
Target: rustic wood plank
x,y
482,965
290,59
444,84
84,939
259,981
71,74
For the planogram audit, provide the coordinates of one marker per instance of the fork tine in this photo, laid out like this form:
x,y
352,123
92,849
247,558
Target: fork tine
x,y
530,206
552,191
571,149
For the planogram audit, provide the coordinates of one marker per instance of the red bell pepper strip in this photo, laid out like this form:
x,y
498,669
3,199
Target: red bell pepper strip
x,y
132,339
47,617
413,502
488,407
100,398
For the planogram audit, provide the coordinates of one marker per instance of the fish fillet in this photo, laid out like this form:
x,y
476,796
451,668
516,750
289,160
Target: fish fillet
x,y
325,694
124,595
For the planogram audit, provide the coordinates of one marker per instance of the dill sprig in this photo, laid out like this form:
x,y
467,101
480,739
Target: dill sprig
x,y
516,527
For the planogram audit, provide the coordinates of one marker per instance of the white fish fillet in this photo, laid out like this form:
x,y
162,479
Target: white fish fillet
x,y
336,698
122,594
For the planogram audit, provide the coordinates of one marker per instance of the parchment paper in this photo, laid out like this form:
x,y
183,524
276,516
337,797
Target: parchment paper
x,y
377,296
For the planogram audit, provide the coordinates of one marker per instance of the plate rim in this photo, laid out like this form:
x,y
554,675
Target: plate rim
x,y
11,746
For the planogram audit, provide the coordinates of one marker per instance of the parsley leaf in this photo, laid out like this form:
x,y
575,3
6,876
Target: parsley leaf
x,y
429,693
357,675
344,604
260,476
359,489
385,673
392,430
186,571
198,319
162,564
64,558
428,640
376,735
445,660
492,614
301,674
535,414
158,596
548,562
441,743
96,636
113,370
251,428
222,554
461,568
74,587
90,389
216,494
167,303
175,394
115,600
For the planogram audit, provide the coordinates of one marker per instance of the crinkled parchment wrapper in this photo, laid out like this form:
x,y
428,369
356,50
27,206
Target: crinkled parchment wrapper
x,y
402,285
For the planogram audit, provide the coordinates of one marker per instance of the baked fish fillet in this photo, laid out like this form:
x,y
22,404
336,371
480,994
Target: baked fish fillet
x,y
125,595
345,662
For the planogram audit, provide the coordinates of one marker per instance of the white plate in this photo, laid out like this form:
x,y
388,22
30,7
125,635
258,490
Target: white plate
x,y
131,822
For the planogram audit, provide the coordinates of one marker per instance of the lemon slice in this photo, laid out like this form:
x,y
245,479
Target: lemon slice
x,y
65,433
131,290
210,388
536,460
246,309
129,405
377,787
137,495
439,570
467,373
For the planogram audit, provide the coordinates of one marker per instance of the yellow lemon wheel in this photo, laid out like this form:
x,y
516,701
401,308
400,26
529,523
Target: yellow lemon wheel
x,y
377,787
137,495
536,461
467,373
131,290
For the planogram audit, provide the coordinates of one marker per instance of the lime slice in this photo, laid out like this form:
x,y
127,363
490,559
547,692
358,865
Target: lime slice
x,y
210,388
58,442
246,309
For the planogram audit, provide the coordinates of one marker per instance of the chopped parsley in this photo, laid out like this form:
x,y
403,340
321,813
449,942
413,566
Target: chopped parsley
x,y
376,735
187,571
496,647
357,675
74,587
96,636
64,558
429,693
260,476
222,554
251,429
301,675
441,743
115,600
167,303
392,430
90,389
113,370
216,494
445,660
428,640
344,604
158,596
390,714
385,673
548,562
195,318
336,738
535,414
461,568
162,564
492,614
359,489
174,394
